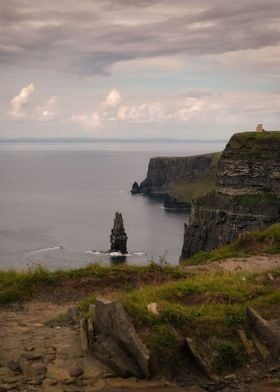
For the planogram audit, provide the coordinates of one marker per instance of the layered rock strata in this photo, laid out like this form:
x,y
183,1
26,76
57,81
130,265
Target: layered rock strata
x,y
246,197
163,172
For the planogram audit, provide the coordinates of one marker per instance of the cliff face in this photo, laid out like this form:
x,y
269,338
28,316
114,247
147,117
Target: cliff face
x,y
247,193
163,172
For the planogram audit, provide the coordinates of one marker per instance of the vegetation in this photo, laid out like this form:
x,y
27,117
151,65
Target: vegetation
x,y
255,242
209,308
255,200
187,191
17,286
255,142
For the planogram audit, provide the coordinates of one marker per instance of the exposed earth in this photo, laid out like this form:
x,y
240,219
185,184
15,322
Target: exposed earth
x,y
42,351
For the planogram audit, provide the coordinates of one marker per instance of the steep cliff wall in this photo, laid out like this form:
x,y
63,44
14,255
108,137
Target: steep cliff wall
x,y
247,193
164,172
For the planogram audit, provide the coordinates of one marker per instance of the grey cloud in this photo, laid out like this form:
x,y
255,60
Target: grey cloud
x,y
88,37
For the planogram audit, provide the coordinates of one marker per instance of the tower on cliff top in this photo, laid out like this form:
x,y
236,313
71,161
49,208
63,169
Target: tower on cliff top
x,y
259,128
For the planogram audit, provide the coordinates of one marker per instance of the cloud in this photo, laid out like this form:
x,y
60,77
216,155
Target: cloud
x,y
112,99
144,113
46,112
21,101
191,106
107,32
91,122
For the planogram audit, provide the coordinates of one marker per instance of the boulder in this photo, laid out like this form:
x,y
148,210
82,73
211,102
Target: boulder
x,y
117,343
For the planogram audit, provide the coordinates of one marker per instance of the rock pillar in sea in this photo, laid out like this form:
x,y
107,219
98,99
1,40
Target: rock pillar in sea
x,y
118,236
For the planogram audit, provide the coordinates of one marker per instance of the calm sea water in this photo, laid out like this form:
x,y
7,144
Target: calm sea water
x,y
58,201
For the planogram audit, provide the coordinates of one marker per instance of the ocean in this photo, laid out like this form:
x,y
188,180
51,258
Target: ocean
x,y
58,201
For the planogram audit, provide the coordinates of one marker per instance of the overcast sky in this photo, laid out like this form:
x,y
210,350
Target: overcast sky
x,y
129,68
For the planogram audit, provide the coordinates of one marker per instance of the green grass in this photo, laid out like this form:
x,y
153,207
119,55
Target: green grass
x,y
186,191
209,308
255,242
255,200
20,285
256,143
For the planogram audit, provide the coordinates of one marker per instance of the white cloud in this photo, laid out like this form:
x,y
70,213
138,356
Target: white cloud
x,y
20,101
91,122
191,106
142,113
46,112
112,99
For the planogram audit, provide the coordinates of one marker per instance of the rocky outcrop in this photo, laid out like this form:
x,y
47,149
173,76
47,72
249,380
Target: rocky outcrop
x,y
163,172
246,197
118,236
116,341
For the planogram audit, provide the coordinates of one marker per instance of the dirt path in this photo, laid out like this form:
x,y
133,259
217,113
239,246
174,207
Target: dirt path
x,y
247,264
37,357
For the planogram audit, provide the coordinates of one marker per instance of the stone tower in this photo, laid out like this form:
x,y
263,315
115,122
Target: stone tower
x,y
259,128
118,236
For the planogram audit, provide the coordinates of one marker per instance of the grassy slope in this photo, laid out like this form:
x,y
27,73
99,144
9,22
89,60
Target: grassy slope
x,y
189,190
253,243
208,307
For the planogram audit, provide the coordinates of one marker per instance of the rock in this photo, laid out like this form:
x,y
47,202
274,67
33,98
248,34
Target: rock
x,y
73,314
264,330
246,197
83,335
153,308
117,341
170,203
14,366
76,371
109,352
92,308
163,172
247,343
135,188
199,362
118,236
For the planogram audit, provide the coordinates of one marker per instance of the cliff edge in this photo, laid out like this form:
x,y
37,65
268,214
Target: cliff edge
x,y
179,179
247,194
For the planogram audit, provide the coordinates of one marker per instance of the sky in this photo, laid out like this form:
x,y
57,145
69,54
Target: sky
x,y
138,68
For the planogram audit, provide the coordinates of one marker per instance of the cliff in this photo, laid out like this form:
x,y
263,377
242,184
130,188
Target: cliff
x,y
178,179
247,194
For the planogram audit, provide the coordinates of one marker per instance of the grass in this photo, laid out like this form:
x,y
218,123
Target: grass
x,y
255,200
18,286
209,308
187,191
256,143
256,242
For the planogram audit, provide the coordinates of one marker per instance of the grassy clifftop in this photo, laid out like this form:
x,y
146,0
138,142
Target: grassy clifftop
x,y
255,142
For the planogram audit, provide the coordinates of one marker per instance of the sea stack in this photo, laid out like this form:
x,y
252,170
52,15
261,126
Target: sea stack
x,y
118,236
